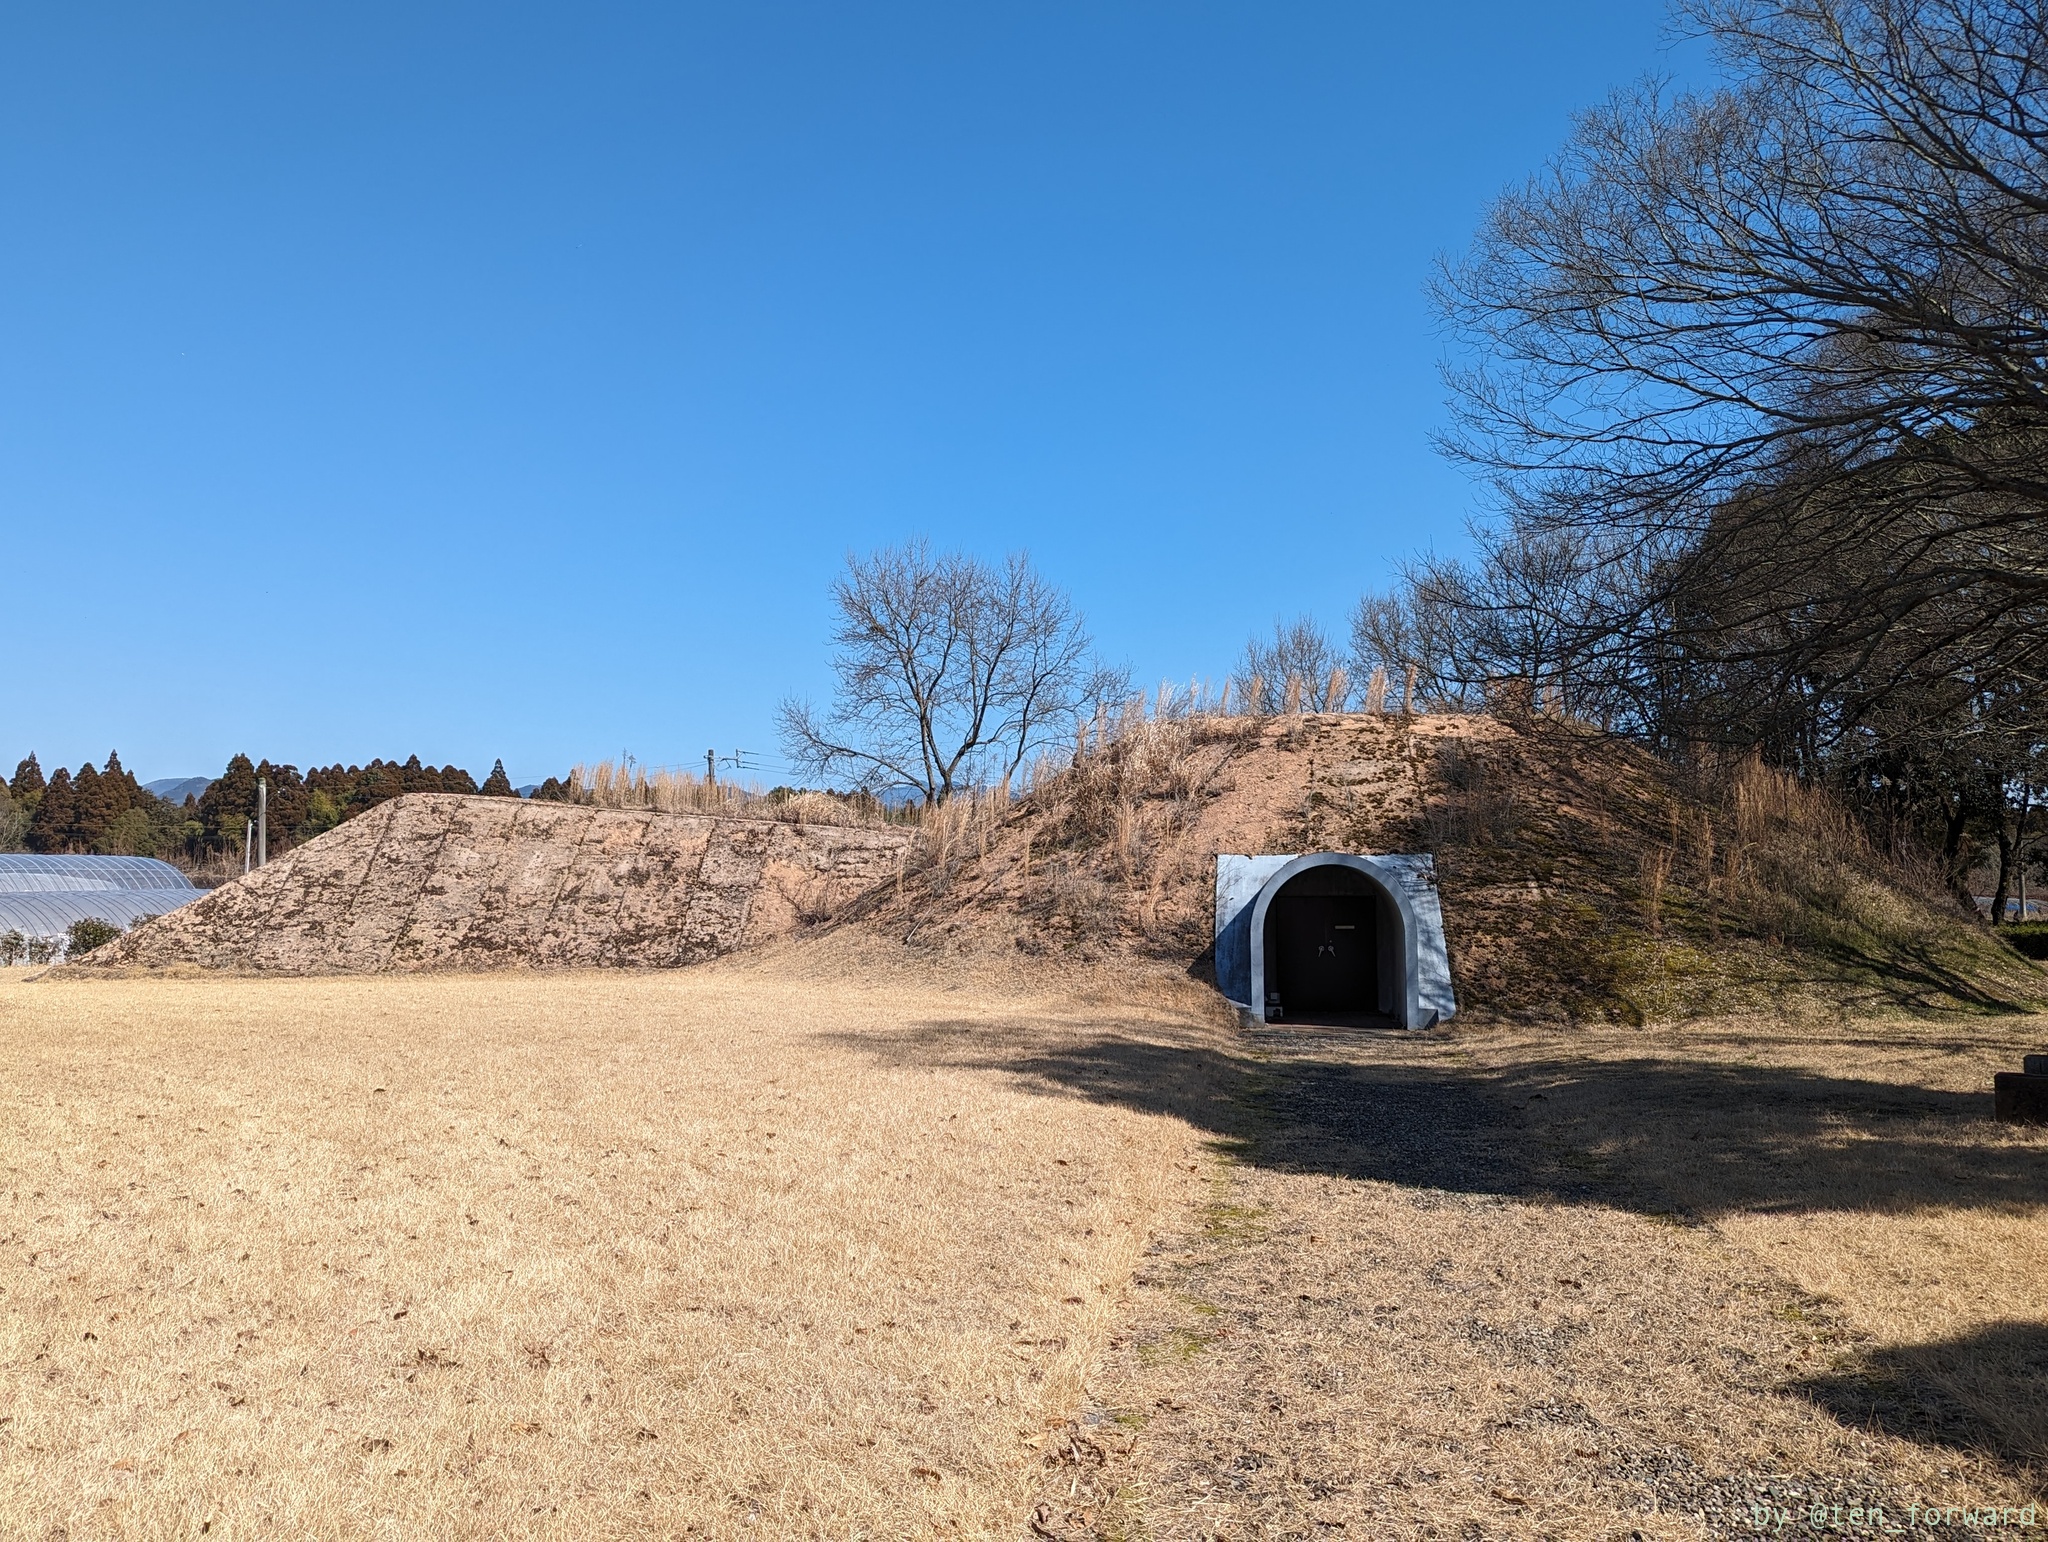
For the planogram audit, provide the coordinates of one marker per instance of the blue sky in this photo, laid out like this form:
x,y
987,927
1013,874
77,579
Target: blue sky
x,y
511,380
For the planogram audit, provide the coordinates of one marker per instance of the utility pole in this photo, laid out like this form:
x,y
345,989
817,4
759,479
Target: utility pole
x,y
711,768
248,845
262,821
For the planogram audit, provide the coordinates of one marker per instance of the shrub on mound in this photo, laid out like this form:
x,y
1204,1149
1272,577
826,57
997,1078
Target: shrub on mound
x,y
88,934
2030,937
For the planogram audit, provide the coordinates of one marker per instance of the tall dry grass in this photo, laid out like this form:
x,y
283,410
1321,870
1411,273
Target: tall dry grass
x,y
1136,751
623,784
210,869
1090,837
1111,827
1799,867
1376,692
962,827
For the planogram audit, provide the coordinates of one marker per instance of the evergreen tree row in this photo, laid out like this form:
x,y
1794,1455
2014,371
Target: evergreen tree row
x,y
93,810
109,812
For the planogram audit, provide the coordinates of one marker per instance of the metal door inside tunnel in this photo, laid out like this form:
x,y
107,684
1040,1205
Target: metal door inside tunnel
x,y
1322,954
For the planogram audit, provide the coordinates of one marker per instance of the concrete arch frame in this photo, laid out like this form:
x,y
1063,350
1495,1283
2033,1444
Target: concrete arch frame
x,y
1407,948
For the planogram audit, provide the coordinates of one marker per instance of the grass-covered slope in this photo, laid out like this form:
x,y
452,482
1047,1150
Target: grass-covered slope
x,y
1580,876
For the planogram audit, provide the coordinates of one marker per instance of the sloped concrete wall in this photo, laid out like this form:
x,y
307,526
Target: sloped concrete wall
x,y
439,881
1238,881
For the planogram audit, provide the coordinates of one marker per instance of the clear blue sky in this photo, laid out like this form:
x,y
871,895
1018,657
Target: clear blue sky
x,y
511,380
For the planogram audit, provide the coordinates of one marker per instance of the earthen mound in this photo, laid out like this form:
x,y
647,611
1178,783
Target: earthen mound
x,y
1578,874
439,881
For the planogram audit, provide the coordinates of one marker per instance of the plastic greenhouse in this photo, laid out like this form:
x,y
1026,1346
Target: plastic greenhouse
x,y
41,896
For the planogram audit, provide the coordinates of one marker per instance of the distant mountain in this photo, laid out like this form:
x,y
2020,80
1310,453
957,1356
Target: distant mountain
x,y
176,789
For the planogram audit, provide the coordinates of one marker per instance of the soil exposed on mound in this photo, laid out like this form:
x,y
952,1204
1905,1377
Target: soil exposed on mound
x,y
438,881
1579,875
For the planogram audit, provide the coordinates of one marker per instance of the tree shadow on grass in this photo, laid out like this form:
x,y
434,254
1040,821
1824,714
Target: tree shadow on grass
x,y
1916,976
1984,1392
1660,1136
1696,1139
1701,1140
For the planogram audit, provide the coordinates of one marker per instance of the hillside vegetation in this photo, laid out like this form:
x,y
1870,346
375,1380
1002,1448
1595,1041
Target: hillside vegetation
x,y
1580,876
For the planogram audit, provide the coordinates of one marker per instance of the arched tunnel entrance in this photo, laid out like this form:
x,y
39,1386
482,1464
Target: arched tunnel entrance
x,y
1329,946
1332,936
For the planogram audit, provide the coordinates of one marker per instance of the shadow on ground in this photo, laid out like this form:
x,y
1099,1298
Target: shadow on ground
x,y
1688,1140
1914,976
1694,1139
1902,1390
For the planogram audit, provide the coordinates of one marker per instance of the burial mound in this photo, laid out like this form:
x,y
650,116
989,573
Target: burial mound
x,y
439,881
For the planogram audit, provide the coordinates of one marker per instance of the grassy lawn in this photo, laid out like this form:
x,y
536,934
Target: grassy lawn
x,y
549,1255
820,1244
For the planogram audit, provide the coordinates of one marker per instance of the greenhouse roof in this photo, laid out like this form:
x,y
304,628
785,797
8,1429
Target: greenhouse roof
x,y
51,915
23,872
41,896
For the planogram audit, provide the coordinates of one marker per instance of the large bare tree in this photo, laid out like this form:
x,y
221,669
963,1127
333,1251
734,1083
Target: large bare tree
x,y
951,671
1515,612
1784,346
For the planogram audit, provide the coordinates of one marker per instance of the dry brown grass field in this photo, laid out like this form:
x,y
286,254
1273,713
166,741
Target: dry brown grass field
x,y
841,1241
678,1254
1610,1283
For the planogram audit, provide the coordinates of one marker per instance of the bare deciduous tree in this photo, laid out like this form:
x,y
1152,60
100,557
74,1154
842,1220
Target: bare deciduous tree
x,y
1300,652
1512,615
1761,378
1405,629
1814,301
951,671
